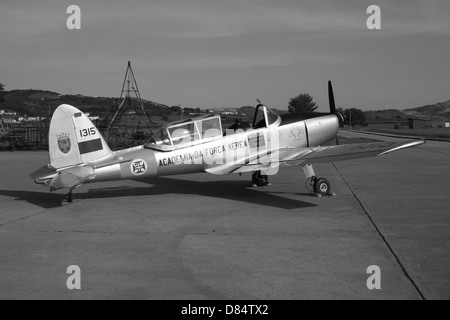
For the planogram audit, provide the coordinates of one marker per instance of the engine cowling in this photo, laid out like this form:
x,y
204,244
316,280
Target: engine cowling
x,y
322,129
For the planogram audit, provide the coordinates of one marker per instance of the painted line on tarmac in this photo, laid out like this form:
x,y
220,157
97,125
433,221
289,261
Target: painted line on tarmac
x,y
23,218
40,212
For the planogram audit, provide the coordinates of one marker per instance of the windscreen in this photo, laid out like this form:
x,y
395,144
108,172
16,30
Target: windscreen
x,y
160,138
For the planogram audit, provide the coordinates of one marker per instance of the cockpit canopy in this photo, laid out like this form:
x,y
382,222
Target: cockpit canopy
x,y
265,118
185,133
203,129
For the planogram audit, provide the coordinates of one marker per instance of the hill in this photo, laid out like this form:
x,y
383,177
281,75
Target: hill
x,y
437,112
41,103
441,109
247,113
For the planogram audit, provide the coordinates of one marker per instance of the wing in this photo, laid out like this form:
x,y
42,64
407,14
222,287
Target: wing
x,y
347,152
296,157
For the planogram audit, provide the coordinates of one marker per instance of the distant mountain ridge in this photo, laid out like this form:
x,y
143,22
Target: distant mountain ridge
x,y
33,103
438,111
441,109
40,102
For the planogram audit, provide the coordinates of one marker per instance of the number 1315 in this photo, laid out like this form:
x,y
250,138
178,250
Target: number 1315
x,y
87,132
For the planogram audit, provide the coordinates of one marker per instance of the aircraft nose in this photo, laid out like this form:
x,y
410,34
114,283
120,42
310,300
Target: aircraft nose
x,y
322,129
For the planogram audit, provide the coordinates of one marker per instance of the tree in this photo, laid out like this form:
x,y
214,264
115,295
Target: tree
x,y
356,116
302,104
2,93
176,109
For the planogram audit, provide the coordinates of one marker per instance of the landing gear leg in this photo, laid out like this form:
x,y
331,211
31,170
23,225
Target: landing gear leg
x,y
69,196
259,179
321,186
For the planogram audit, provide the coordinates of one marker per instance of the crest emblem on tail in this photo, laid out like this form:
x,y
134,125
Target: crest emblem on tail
x,y
64,144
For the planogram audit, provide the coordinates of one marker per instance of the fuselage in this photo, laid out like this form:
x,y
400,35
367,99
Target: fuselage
x,y
198,155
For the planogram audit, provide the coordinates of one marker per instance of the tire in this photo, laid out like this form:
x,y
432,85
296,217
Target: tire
x,y
259,179
322,186
69,197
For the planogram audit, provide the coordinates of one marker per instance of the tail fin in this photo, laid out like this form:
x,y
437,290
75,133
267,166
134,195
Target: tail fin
x,y
74,139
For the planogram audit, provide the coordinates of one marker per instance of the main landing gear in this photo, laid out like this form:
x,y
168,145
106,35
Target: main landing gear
x,y
260,180
321,186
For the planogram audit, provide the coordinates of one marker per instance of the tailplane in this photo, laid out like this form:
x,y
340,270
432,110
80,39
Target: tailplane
x,y
74,139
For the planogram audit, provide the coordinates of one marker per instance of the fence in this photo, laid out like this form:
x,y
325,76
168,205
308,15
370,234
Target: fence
x,y
36,138
25,138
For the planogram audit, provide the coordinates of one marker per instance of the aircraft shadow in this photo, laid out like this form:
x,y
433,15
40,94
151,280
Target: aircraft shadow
x,y
44,200
231,190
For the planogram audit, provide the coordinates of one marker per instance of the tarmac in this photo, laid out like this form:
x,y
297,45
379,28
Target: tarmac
x,y
216,237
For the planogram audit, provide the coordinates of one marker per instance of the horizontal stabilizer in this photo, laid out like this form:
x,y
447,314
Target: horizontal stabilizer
x,y
43,174
73,177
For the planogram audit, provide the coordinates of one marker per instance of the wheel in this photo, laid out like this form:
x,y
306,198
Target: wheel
x,y
259,179
322,186
69,197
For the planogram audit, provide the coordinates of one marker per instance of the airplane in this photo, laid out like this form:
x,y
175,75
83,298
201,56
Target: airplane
x,y
79,154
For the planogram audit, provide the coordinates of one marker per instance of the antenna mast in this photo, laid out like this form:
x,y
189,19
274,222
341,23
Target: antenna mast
x,y
129,125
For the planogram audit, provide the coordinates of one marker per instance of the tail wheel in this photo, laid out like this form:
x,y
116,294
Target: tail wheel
x,y
69,197
322,186
259,179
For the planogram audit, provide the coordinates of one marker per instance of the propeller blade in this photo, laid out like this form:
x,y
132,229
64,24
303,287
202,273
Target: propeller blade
x,y
333,105
331,98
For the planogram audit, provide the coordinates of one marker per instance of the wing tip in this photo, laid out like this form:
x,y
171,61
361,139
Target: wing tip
x,y
410,144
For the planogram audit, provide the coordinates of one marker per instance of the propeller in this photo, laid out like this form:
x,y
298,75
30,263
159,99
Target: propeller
x,y
333,107
331,98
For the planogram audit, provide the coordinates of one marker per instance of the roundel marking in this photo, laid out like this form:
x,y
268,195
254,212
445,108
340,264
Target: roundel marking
x,y
138,167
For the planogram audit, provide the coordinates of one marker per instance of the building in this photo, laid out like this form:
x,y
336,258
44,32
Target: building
x,y
388,124
8,113
410,123
420,123
428,123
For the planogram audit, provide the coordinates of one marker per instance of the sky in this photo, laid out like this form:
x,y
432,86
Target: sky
x,y
228,53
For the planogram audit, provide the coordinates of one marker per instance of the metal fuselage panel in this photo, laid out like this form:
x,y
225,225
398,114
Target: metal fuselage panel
x,y
141,163
322,129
